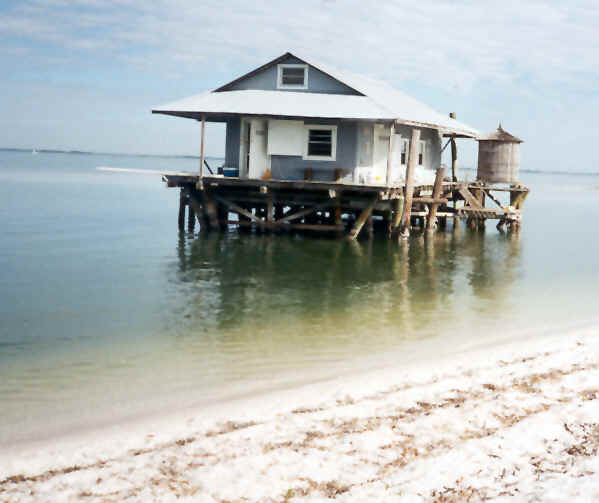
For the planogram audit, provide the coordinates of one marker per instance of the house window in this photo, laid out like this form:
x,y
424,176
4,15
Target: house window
x,y
292,77
405,146
321,143
421,150
405,150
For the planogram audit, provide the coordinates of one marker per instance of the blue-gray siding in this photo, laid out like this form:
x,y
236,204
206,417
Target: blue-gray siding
x,y
293,167
318,82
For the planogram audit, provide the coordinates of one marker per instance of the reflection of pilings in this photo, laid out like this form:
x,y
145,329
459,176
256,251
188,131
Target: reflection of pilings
x,y
191,219
495,260
430,264
235,278
182,204
181,252
404,277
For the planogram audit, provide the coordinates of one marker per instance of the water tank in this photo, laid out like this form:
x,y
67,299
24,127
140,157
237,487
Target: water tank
x,y
498,157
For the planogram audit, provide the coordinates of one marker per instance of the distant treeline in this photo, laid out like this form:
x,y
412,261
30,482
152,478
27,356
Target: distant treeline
x,y
83,152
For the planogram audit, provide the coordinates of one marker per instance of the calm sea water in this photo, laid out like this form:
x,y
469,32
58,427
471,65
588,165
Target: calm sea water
x,y
108,312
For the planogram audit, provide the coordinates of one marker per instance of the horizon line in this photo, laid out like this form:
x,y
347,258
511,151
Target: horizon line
x,y
90,152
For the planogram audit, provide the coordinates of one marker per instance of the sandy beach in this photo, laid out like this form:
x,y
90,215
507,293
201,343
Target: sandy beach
x,y
514,422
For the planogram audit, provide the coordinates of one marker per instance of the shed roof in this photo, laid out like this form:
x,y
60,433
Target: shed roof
x,y
379,101
501,135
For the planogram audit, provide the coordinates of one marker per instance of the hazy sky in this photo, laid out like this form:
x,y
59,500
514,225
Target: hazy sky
x,y
84,74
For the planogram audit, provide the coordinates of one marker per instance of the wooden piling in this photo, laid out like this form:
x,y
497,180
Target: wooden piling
x,y
409,191
211,211
191,219
337,215
182,204
359,223
194,201
432,216
370,226
397,214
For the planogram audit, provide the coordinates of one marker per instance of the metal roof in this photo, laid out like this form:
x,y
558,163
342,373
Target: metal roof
x,y
500,135
380,101
277,103
401,106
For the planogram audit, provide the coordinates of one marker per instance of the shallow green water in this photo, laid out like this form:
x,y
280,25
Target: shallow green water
x,y
107,311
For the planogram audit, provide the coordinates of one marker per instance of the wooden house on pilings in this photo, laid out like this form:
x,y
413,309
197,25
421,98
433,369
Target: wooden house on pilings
x,y
312,148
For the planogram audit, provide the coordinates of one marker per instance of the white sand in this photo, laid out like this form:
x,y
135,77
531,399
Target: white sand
x,y
517,422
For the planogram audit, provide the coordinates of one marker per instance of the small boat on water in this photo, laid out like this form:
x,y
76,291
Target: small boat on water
x,y
34,152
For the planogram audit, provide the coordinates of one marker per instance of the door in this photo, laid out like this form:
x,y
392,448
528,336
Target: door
x,y
380,150
259,160
254,160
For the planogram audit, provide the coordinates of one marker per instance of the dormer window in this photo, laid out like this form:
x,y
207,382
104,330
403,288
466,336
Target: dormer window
x,y
292,77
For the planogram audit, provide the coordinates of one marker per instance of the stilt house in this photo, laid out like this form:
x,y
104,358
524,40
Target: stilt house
x,y
312,148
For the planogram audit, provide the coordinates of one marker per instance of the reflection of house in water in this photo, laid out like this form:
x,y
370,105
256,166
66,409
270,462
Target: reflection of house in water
x,y
306,284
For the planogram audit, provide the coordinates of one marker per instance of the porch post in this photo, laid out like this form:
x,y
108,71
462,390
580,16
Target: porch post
x,y
454,155
202,146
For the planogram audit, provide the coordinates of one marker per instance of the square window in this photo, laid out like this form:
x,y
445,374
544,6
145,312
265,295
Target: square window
x,y
321,143
292,77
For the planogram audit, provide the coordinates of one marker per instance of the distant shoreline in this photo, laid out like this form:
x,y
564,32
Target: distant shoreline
x,y
212,158
84,152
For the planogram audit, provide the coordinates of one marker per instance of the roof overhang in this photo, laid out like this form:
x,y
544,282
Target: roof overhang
x,y
224,116
219,106
277,104
445,131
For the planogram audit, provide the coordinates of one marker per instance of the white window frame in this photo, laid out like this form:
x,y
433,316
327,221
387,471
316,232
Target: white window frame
x,y
280,84
333,156
404,143
421,146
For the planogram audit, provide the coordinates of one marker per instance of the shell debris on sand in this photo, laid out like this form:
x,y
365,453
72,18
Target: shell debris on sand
x,y
519,421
